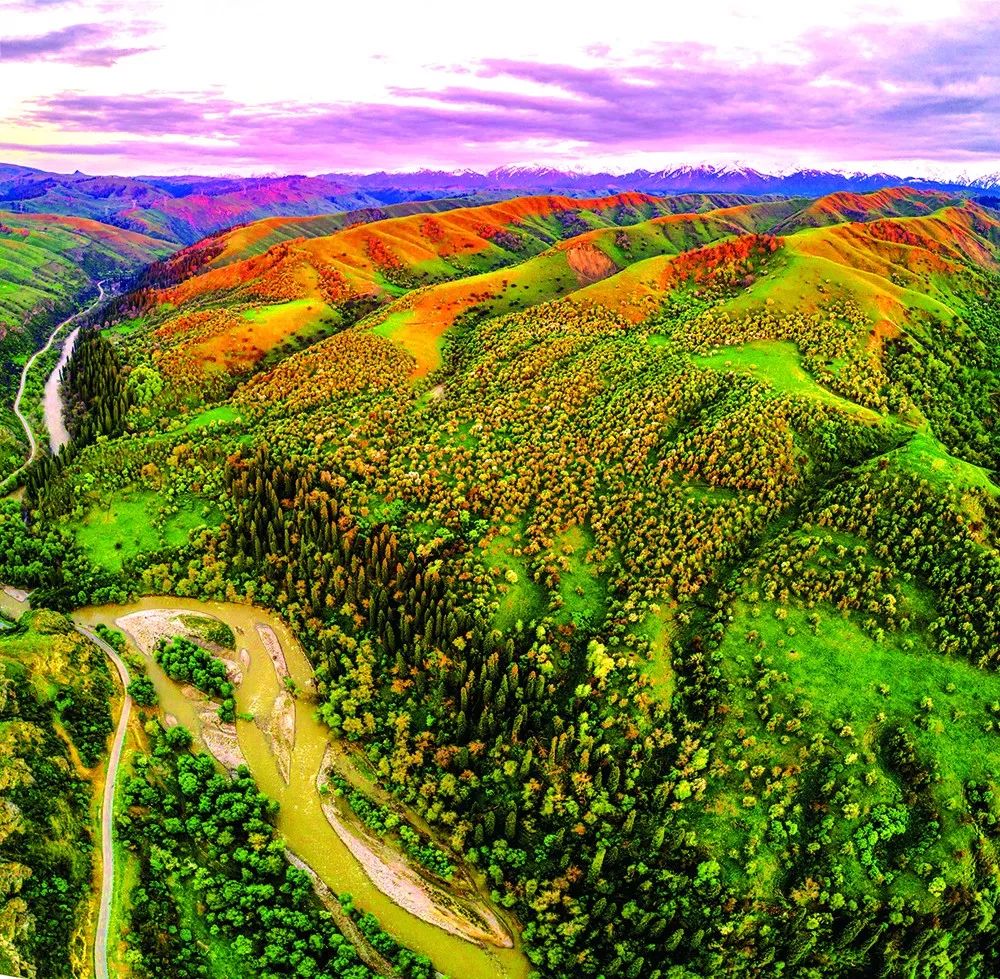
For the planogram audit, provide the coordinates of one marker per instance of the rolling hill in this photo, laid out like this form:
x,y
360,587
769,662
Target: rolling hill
x,y
646,547
237,305
230,303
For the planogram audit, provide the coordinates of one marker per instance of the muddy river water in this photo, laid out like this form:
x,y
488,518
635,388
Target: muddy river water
x,y
285,747
52,403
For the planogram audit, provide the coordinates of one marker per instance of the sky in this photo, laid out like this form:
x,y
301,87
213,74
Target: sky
x,y
251,87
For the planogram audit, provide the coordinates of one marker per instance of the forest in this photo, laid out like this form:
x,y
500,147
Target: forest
x,y
189,823
55,714
657,576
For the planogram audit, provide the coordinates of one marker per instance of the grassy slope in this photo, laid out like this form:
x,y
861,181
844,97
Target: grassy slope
x,y
259,236
47,264
47,259
824,659
256,238
426,271
893,202
420,320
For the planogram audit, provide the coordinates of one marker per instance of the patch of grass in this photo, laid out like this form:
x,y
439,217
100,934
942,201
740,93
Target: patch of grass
x,y
581,588
222,961
854,688
210,630
925,455
658,627
220,414
520,596
126,878
125,327
135,522
394,325
778,364
263,335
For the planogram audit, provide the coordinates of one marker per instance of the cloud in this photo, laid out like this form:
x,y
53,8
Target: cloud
x,y
140,115
86,45
72,149
28,6
908,92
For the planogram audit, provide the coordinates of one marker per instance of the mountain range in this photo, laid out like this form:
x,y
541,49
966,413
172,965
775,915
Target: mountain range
x,y
699,178
183,209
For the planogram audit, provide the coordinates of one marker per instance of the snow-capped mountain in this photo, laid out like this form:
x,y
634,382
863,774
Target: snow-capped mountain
x,y
184,208
732,178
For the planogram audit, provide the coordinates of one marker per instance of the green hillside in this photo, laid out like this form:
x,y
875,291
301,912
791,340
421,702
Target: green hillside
x,y
649,556
48,269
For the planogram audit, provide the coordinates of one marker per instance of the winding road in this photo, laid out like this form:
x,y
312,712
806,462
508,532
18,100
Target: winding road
x,y
33,445
108,810
58,438
108,802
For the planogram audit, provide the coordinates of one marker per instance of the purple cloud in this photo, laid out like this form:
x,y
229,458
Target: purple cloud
x,y
140,115
916,93
88,45
33,5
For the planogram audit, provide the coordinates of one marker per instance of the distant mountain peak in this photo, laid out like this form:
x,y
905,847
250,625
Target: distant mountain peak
x,y
173,208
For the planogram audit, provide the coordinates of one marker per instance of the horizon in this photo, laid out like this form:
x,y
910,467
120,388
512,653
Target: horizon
x,y
960,179
104,87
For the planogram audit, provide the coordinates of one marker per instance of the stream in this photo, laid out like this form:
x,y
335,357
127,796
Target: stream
x,y
274,748
52,403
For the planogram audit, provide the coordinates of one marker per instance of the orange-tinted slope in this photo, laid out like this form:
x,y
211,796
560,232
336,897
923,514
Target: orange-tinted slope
x,y
380,260
886,265
845,206
394,264
444,225
409,241
423,317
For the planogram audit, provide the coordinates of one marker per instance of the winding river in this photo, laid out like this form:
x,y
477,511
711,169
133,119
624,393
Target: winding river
x,y
286,748
52,403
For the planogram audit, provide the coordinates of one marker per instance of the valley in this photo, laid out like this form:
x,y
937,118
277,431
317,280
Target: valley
x,y
589,586
50,269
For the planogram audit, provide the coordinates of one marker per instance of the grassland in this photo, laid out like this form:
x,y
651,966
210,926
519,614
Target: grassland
x,y
520,599
778,364
137,522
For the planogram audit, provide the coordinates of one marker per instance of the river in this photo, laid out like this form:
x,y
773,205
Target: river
x,y
301,818
52,403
